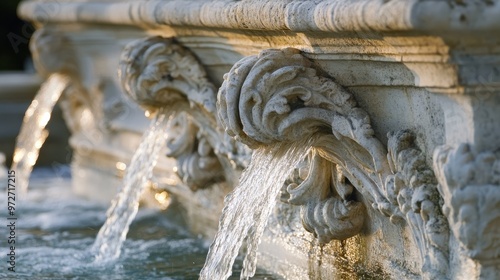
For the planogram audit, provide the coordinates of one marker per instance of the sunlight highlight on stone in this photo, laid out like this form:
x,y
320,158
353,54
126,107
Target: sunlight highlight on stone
x,y
121,166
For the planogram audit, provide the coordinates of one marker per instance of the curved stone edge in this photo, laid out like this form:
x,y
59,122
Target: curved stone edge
x,y
327,210
159,72
293,15
44,44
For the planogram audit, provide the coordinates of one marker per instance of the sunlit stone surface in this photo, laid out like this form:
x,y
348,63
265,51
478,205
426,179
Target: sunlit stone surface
x,y
402,96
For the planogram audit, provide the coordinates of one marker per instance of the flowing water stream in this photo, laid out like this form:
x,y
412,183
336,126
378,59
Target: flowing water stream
x,y
126,204
248,207
33,132
55,229
245,213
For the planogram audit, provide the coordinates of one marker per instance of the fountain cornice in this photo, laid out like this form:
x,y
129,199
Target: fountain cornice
x,y
439,17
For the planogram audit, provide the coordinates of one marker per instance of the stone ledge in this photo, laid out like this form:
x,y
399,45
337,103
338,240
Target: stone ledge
x,y
300,16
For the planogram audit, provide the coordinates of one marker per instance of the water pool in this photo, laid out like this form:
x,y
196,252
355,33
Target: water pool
x,y
55,229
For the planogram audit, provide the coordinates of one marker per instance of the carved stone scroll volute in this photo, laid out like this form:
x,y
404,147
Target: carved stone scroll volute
x,y
197,164
328,210
278,96
52,53
159,72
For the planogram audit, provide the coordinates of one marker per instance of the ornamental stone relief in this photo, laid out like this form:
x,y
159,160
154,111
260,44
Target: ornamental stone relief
x,y
413,64
159,72
469,183
81,105
278,96
197,164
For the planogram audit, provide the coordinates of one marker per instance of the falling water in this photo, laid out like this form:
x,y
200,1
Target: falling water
x,y
33,132
125,205
248,207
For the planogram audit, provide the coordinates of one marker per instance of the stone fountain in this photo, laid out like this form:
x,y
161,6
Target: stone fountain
x,y
400,97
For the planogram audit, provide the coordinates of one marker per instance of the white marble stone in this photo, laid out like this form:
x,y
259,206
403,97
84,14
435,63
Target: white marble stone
x,y
401,97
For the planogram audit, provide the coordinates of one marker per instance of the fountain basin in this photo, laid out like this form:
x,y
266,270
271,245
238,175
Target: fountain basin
x,y
422,80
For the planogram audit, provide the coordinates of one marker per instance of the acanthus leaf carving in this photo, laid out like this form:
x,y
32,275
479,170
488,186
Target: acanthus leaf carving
x,y
278,96
412,186
159,72
469,183
328,211
197,164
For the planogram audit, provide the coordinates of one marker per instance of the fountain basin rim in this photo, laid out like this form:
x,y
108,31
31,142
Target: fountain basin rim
x,y
436,17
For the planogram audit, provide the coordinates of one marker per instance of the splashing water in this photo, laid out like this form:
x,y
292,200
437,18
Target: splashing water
x,y
33,132
248,207
126,204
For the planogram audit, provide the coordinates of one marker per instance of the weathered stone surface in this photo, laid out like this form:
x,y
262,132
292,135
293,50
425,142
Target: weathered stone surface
x,y
383,88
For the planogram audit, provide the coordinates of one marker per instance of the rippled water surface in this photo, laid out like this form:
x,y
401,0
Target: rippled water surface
x,y
55,231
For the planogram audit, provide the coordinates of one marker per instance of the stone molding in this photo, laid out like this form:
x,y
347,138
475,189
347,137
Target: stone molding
x,y
278,96
294,15
197,164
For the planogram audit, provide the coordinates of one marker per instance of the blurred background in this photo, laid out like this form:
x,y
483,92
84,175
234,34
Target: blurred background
x,y
14,51
18,85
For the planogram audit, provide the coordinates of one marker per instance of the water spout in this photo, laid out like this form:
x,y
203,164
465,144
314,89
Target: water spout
x,y
248,207
124,207
33,133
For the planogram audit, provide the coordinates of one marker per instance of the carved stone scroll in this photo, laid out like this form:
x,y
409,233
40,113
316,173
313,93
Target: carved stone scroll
x,y
278,96
328,212
197,164
44,44
159,72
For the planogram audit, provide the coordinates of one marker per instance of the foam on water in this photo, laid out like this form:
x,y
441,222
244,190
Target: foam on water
x,y
55,230
248,207
33,133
